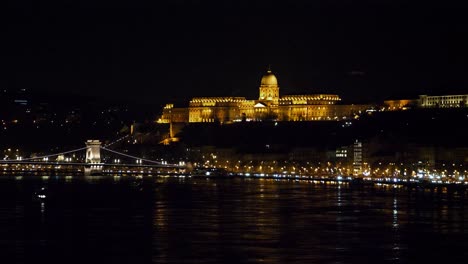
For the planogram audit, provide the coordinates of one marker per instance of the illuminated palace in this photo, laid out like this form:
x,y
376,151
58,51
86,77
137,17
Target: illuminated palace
x,y
269,106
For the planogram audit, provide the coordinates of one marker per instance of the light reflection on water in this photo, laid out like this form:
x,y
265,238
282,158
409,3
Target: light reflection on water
x,y
122,219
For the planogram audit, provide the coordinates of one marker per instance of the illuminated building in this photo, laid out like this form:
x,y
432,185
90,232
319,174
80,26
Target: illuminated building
x,y
357,158
269,106
402,104
426,101
444,101
341,152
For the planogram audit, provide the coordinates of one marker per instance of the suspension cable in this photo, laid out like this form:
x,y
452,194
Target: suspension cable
x,y
115,141
134,157
51,155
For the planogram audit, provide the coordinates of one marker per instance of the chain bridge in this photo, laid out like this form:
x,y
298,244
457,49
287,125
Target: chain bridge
x,y
93,159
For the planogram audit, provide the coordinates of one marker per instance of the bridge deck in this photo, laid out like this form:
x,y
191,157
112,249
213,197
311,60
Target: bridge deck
x,y
18,162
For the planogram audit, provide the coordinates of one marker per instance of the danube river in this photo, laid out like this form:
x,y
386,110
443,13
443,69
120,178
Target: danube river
x,y
183,220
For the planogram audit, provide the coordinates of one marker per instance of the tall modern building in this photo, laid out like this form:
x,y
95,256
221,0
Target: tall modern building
x,y
357,158
270,105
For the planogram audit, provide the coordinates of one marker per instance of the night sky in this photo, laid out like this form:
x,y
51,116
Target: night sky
x,y
172,50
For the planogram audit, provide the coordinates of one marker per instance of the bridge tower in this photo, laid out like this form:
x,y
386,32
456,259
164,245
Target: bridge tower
x,y
93,151
93,157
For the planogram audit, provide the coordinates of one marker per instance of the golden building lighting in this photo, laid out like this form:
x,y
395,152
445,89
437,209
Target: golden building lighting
x,y
444,101
269,106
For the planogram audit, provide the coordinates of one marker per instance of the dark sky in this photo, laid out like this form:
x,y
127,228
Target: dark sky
x,y
174,49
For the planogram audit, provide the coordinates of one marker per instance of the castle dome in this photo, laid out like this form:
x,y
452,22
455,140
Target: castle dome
x,y
269,79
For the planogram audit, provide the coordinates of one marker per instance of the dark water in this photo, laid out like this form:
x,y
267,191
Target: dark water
x,y
161,220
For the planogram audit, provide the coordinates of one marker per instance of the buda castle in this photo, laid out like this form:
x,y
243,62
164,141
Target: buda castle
x,y
270,105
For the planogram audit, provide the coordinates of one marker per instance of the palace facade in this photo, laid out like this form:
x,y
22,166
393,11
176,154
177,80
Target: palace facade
x,y
443,101
428,101
270,105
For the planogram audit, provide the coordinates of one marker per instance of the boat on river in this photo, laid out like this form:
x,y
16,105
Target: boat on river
x,y
209,172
